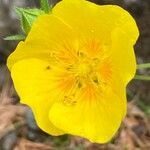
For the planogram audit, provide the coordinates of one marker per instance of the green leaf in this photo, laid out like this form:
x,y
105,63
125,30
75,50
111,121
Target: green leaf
x,y
27,17
15,38
142,77
143,66
45,6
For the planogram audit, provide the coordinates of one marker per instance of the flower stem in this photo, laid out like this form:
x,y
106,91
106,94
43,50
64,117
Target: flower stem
x,y
45,6
142,77
143,66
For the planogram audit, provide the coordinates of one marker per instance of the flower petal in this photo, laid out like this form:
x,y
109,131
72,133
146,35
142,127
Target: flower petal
x,y
48,35
94,20
123,57
110,76
95,116
31,80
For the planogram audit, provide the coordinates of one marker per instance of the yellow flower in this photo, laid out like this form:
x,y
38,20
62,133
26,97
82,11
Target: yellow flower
x,y
73,68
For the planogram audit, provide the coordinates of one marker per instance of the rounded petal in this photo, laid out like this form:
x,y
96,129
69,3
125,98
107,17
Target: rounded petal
x,y
122,56
89,19
48,35
95,116
31,80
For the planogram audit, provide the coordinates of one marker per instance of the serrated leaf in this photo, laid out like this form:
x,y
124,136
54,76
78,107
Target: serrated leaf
x,y
27,17
45,6
17,37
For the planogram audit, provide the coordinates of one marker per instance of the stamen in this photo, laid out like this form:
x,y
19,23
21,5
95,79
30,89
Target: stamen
x,y
80,54
79,85
69,100
69,68
95,80
95,62
48,68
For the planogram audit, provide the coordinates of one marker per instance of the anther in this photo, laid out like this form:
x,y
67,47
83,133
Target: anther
x,y
69,101
95,80
79,85
80,54
48,68
69,68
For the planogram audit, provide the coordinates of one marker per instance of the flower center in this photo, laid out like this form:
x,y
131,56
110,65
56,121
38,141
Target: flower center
x,y
83,69
86,77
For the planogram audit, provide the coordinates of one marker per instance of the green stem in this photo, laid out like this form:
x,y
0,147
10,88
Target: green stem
x,y
143,66
45,6
142,77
